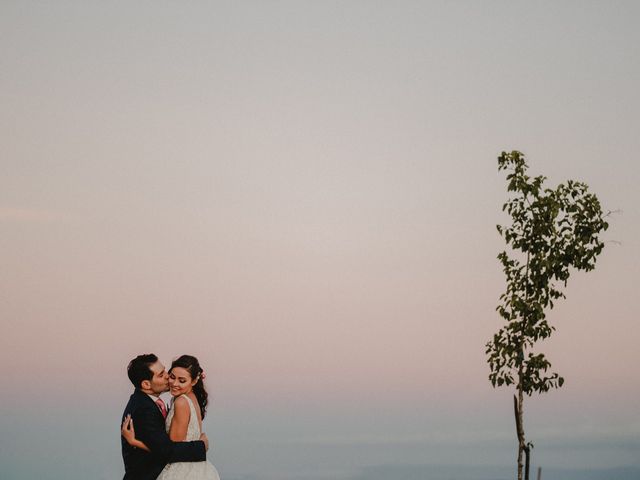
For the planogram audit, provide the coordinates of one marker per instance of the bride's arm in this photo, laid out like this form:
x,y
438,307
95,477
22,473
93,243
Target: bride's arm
x,y
129,434
180,420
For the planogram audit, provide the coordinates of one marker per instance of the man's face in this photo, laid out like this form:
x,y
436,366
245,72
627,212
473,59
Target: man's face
x,y
160,379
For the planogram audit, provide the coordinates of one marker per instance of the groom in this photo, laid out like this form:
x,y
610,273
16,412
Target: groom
x,y
148,412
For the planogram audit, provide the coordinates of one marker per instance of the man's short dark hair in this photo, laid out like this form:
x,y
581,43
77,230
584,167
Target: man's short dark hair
x,y
139,368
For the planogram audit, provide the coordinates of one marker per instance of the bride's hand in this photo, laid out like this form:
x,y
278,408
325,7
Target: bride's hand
x,y
127,430
129,434
205,439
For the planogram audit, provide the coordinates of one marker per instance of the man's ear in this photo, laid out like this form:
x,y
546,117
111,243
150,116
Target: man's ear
x,y
145,384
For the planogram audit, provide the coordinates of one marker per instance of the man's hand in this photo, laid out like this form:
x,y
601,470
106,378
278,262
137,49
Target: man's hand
x,y
204,438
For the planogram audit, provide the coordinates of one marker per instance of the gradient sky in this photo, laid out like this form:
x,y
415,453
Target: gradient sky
x,y
304,195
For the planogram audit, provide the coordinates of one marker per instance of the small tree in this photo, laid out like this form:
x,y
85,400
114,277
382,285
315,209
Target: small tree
x,y
551,231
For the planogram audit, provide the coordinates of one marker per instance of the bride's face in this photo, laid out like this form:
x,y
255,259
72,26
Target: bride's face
x,y
180,381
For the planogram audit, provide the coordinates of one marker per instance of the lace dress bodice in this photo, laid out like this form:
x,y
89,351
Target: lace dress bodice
x,y
188,470
193,430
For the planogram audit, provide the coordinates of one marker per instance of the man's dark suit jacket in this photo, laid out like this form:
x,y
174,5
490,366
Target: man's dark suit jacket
x,y
148,423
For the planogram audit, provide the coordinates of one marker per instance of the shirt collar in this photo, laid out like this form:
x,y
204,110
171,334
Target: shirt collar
x,y
155,398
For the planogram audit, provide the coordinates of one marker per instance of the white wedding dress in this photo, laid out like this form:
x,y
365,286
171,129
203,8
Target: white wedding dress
x,y
189,470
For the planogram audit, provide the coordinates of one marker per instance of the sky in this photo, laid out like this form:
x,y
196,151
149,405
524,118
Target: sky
x,y
304,195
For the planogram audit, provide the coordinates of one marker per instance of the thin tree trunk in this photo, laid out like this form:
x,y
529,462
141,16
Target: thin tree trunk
x,y
517,404
519,408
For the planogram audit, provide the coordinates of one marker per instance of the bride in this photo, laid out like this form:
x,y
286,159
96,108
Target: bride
x,y
184,420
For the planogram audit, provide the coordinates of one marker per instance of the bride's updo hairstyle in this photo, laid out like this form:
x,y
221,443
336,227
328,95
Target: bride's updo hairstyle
x,y
191,364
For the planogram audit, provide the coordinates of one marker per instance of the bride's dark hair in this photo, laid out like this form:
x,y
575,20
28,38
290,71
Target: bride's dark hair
x,y
192,365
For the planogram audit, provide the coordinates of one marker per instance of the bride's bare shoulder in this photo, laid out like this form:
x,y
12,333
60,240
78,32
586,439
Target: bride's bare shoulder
x,y
181,406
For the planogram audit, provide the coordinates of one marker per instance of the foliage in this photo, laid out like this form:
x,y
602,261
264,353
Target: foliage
x,y
553,230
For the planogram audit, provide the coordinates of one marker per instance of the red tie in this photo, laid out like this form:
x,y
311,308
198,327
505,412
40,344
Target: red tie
x,y
162,407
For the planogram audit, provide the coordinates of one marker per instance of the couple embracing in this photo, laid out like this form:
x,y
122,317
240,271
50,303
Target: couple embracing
x,y
167,445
